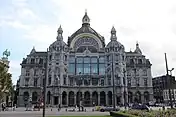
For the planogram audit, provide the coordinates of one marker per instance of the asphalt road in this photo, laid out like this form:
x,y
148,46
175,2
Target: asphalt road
x,y
20,112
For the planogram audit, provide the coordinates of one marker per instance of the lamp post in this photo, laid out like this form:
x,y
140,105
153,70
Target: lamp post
x,y
171,71
44,84
170,82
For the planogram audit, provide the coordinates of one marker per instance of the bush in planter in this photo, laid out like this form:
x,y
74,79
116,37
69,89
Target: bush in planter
x,y
168,113
121,114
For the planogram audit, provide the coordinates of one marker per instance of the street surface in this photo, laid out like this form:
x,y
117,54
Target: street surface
x,y
20,112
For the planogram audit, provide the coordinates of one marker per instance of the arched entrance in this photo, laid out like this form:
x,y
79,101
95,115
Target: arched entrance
x,y
118,102
87,99
146,97
102,98
34,96
71,98
109,97
25,96
95,98
48,98
78,98
130,97
64,98
137,97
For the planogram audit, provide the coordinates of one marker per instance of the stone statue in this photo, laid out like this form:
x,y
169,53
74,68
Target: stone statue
x,y
6,53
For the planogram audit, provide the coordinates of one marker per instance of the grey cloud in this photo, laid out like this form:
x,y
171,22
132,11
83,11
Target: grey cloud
x,y
173,28
126,31
172,10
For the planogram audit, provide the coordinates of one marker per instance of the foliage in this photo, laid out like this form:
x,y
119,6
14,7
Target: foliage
x,y
121,114
139,113
81,116
5,80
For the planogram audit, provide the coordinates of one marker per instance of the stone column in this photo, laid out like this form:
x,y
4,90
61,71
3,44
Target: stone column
x,y
91,98
67,99
151,97
122,98
133,96
82,101
52,100
74,99
107,100
142,98
60,99
99,98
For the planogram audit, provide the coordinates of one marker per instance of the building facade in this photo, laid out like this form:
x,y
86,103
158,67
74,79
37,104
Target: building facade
x,y
166,95
161,84
86,70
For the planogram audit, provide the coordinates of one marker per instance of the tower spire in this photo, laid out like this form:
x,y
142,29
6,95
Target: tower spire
x,y
86,19
33,50
138,50
113,34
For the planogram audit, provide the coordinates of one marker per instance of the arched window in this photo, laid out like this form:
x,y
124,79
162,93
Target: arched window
x,y
34,96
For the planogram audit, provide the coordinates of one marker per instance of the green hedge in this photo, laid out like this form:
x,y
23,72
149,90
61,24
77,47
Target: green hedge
x,y
121,114
139,113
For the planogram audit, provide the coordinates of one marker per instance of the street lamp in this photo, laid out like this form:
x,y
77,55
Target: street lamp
x,y
44,83
171,71
170,82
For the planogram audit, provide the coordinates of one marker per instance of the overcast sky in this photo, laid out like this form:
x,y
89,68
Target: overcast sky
x,y
28,23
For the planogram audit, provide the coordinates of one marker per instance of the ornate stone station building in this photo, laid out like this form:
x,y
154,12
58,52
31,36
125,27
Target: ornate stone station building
x,y
85,64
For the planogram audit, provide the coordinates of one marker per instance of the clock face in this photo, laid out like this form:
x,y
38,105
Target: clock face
x,y
86,41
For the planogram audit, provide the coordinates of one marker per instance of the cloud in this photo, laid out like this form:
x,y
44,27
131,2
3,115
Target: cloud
x,y
15,70
43,34
151,23
14,24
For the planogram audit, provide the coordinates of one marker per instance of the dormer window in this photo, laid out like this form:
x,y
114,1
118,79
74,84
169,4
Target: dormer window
x,y
139,61
41,61
32,61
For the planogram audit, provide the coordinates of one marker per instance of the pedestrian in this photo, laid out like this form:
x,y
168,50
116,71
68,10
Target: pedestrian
x,y
163,108
59,107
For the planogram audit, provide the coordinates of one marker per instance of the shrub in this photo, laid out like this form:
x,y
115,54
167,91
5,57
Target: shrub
x,y
139,113
121,114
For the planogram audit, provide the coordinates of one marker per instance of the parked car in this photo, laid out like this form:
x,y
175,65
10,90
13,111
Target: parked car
x,y
140,107
103,109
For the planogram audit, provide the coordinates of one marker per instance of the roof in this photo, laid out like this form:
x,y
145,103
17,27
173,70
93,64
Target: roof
x,y
114,43
85,29
38,53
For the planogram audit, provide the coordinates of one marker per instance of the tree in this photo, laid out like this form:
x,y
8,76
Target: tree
x,y
5,80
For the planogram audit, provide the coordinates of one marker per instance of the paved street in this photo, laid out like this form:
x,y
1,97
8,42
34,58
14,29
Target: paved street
x,y
20,112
